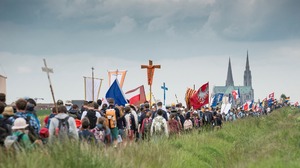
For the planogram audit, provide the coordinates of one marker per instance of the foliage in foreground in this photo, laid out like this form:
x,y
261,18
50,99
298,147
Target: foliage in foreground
x,y
269,141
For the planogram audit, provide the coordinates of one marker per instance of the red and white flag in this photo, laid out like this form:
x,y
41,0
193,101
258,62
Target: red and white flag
x,y
201,97
271,96
235,94
136,96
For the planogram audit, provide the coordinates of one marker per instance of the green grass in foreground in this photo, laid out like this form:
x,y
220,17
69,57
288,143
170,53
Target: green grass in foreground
x,y
269,141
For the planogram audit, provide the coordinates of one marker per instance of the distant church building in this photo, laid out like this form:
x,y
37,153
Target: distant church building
x,y
246,91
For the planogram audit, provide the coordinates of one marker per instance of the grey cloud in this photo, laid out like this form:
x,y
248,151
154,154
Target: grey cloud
x,y
256,20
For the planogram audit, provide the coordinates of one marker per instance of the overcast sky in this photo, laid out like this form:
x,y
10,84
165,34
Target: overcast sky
x,y
192,40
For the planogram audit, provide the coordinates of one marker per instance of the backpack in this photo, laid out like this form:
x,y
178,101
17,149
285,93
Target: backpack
x,y
158,125
86,136
110,116
33,136
207,118
147,125
13,142
187,124
174,126
62,131
99,134
130,124
91,115
4,131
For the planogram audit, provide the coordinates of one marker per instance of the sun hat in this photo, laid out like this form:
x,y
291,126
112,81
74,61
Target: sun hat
x,y
8,111
20,123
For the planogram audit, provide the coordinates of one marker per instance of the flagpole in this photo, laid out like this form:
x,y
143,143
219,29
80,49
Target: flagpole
x,y
150,94
176,98
84,87
99,88
93,85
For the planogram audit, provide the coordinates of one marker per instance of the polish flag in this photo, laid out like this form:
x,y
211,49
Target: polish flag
x,y
136,96
236,94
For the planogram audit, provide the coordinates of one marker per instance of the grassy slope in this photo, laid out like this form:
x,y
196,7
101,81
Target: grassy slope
x,y
272,141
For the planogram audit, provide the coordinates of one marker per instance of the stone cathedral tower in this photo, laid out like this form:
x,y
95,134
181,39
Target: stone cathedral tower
x,y
246,91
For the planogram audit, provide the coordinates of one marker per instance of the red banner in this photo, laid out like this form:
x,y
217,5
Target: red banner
x,y
201,97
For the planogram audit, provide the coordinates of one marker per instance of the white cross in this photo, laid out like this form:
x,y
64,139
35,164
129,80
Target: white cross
x,y
49,70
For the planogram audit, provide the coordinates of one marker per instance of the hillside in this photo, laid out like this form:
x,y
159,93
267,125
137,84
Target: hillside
x,y
269,141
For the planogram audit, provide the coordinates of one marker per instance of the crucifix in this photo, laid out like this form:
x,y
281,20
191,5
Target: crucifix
x,y
164,88
48,71
150,73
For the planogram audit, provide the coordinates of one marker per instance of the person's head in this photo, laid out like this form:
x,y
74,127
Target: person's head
x,y
54,110
8,111
91,105
30,104
85,123
160,112
62,109
127,109
147,105
148,114
19,124
104,106
159,104
2,97
111,102
172,116
2,106
75,107
21,104
101,123
96,105
31,101
99,102
59,102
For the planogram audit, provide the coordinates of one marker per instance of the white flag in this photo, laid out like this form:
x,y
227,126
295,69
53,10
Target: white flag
x,y
88,83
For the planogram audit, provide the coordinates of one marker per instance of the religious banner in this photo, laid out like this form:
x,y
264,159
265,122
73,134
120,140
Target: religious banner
x,y
118,74
136,96
2,84
88,88
201,97
188,94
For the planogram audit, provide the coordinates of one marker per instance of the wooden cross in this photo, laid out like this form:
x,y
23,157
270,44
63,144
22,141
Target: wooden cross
x,y
48,71
164,88
150,73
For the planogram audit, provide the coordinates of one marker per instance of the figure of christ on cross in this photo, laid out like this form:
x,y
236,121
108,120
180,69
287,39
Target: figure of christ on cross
x,y
150,74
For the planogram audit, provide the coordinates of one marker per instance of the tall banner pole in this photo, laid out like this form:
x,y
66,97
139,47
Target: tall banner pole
x,y
99,88
93,84
84,88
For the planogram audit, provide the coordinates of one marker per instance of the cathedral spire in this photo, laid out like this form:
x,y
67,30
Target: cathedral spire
x,y
247,73
229,80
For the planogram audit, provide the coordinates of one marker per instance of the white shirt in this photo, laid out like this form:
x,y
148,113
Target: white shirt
x,y
98,115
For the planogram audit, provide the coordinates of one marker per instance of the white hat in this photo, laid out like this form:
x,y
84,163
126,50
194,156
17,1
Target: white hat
x,y
20,123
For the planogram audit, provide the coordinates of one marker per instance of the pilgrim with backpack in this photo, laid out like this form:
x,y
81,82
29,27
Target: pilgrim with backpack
x,y
62,126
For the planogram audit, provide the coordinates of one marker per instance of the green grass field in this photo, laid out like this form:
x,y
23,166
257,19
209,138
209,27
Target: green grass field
x,y
269,141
